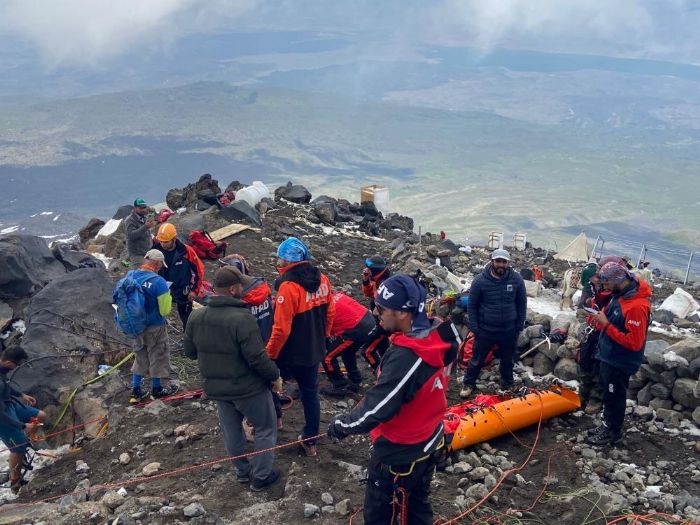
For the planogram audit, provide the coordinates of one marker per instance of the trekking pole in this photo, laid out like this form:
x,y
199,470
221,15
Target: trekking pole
x,y
546,340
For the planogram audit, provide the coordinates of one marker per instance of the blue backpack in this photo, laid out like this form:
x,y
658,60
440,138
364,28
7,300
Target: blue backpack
x,y
130,301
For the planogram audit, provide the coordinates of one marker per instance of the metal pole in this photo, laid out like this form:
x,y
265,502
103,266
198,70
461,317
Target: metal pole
x,y
420,240
641,255
687,270
595,246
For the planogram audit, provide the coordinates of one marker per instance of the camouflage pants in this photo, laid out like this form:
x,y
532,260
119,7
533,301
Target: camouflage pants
x,y
589,370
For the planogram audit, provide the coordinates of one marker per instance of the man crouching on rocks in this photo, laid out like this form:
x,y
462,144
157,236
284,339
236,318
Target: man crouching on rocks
x,y
18,415
404,410
225,339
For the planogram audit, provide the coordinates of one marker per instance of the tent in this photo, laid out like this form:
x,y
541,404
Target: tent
x,y
576,251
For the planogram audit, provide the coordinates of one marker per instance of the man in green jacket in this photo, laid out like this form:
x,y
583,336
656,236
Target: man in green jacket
x,y
225,339
587,292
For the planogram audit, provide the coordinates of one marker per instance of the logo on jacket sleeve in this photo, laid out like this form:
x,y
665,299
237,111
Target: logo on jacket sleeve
x,y
437,385
634,323
509,287
280,299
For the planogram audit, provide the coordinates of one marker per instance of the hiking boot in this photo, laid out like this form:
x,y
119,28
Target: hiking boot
x,y
354,387
261,484
596,430
467,391
164,391
336,390
17,484
243,478
139,396
310,449
606,438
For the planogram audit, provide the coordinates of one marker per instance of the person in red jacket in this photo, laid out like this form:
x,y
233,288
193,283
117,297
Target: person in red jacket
x,y
376,271
304,311
404,410
623,334
353,327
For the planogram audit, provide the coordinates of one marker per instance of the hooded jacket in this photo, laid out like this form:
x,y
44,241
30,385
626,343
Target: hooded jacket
x,y
497,305
352,320
258,297
404,410
304,312
622,340
369,288
185,270
225,340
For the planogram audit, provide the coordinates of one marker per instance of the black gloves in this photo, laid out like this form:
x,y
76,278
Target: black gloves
x,y
335,431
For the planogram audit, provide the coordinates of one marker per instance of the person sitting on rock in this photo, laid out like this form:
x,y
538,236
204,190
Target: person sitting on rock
x,y
183,269
354,327
304,311
404,410
237,373
152,355
137,230
623,333
18,415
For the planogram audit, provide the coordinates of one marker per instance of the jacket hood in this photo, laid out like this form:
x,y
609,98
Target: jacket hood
x,y
218,301
257,292
429,345
486,272
302,273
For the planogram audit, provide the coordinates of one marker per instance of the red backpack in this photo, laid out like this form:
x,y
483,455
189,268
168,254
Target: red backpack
x,y
205,247
466,350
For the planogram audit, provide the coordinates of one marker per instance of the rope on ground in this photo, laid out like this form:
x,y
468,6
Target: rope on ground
x,y
504,476
638,519
52,434
166,474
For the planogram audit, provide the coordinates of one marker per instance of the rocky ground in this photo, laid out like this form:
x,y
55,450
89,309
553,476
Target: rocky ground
x,y
165,463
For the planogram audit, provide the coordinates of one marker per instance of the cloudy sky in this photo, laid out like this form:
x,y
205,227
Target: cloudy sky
x,y
85,33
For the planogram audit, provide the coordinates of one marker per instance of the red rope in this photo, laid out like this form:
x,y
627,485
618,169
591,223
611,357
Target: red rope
x,y
47,436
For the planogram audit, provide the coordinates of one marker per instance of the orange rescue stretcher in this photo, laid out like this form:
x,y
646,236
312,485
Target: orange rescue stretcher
x,y
482,423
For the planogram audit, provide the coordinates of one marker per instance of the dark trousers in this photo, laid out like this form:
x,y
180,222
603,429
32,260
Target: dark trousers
x,y
347,351
483,342
589,370
614,383
376,347
307,379
382,488
184,309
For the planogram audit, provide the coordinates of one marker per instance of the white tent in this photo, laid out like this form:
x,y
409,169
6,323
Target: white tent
x,y
576,251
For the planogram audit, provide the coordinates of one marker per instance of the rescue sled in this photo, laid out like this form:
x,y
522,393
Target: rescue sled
x,y
489,417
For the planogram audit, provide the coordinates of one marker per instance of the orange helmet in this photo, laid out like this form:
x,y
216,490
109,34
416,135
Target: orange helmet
x,y
166,232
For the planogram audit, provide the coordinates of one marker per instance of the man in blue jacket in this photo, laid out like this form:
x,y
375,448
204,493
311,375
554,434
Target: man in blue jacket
x,y
497,307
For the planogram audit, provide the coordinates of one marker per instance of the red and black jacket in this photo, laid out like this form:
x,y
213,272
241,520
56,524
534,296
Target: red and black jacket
x,y
404,410
304,311
352,320
623,338
185,270
259,298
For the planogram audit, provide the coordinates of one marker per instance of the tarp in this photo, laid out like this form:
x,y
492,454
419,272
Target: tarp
x,y
576,251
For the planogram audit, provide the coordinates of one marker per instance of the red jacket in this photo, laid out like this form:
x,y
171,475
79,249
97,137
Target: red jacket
x,y
304,312
348,314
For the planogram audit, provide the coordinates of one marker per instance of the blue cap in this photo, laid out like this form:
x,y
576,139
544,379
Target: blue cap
x,y
402,292
293,250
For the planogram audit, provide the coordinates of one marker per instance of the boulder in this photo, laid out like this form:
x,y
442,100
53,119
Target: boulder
x,y
696,416
89,231
644,396
325,209
73,314
6,315
234,186
542,365
562,322
688,349
649,373
241,211
660,391
27,265
293,193
394,221
74,259
683,393
370,211
669,417
694,367
656,404
566,369
123,212
206,188
175,198
663,316
654,353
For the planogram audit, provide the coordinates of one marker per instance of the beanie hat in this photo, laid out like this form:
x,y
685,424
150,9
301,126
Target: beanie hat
x,y
236,260
614,273
611,258
225,277
293,250
403,293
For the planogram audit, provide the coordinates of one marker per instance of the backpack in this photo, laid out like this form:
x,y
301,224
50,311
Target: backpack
x,y
466,350
205,247
130,302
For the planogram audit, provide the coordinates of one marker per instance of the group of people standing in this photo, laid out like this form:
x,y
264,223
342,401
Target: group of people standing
x,y
249,339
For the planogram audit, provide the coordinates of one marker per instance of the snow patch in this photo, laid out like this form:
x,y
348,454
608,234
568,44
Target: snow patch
x,y
39,462
11,229
673,357
46,213
109,228
56,217
102,258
